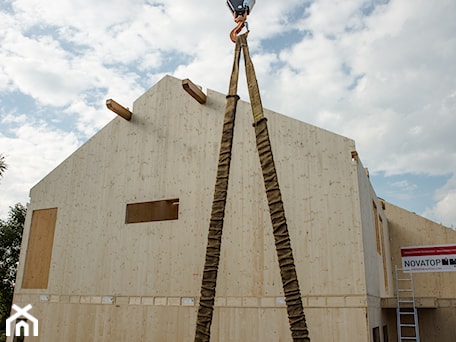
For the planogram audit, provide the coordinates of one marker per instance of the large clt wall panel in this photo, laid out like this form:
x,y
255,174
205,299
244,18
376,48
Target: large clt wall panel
x,y
108,274
410,229
71,322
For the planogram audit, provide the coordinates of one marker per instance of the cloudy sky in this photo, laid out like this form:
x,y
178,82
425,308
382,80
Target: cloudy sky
x,y
380,72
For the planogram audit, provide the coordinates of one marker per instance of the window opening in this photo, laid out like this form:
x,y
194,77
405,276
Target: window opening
x,y
377,233
376,334
385,333
162,210
382,241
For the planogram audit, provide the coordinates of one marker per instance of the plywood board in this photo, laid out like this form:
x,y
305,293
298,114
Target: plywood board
x,y
39,249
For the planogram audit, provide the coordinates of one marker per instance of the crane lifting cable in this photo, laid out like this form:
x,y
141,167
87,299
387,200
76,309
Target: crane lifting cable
x,y
288,273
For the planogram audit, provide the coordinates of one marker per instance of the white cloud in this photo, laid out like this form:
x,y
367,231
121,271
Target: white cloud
x,y
404,185
380,72
400,66
14,119
444,208
31,150
42,68
82,13
330,17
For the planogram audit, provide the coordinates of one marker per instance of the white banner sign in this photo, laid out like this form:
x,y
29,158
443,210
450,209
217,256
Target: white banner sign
x,y
440,258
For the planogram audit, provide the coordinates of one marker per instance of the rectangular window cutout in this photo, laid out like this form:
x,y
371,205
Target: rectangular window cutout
x,y
377,233
39,249
384,260
153,211
385,333
376,334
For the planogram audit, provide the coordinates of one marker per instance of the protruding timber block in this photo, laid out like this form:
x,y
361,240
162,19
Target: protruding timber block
x,y
355,157
194,91
119,109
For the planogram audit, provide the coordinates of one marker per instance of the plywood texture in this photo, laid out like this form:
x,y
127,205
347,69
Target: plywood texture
x,y
409,229
169,149
377,263
83,322
39,249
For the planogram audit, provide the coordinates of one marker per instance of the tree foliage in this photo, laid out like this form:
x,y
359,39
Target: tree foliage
x,y
3,165
10,246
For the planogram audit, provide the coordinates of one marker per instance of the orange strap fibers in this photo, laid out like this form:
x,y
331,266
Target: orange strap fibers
x,y
209,281
288,274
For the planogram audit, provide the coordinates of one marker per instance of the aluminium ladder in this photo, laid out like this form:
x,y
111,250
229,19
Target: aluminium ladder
x,y
406,312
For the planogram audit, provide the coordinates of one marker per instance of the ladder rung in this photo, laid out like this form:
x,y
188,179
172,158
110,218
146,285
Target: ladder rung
x,y
406,311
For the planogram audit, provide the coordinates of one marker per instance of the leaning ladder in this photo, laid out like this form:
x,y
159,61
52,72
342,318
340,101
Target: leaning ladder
x,y
406,313
288,274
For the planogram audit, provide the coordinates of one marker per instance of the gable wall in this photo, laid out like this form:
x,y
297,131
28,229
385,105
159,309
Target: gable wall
x,y
169,150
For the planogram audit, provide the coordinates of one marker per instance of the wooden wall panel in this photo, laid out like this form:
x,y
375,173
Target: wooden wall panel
x,y
376,239
409,229
39,249
169,149
121,323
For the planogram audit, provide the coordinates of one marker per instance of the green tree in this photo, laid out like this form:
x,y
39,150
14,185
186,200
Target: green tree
x,y
3,165
10,246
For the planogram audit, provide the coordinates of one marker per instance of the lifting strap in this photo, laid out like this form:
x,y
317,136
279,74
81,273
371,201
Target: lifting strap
x,y
288,274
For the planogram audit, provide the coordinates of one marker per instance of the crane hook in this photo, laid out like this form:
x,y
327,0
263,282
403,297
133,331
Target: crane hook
x,y
241,21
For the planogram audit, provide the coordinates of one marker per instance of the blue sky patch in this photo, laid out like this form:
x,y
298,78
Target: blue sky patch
x,y
413,192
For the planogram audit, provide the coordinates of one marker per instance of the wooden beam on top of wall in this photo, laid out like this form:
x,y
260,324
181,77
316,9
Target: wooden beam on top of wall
x,y
119,109
194,91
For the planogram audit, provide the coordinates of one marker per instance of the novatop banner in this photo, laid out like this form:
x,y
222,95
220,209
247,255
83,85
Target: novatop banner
x,y
438,258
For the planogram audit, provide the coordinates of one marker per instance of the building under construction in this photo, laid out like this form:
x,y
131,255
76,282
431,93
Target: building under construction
x,y
115,237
